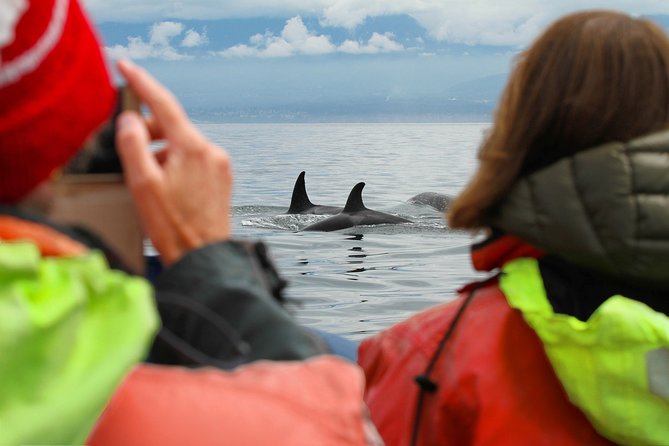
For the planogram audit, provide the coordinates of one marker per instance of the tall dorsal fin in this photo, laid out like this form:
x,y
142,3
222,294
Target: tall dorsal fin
x,y
354,202
300,200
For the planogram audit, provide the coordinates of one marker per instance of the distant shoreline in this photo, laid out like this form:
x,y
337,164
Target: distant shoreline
x,y
350,119
212,122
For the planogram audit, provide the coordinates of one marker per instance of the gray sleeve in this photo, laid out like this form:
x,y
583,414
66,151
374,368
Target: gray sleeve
x,y
237,282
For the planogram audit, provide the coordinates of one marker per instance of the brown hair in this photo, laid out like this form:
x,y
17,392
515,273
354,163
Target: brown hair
x,y
590,78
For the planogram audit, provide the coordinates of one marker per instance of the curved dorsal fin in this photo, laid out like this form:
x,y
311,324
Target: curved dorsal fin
x,y
354,202
299,201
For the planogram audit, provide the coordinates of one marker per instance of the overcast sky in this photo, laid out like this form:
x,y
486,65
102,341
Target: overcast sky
x,y
214,51
491,22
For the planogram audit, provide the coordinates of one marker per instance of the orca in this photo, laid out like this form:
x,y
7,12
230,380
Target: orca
x,y
437,201
300,203
355,214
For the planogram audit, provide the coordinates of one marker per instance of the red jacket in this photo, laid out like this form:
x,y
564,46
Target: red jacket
x,y
494,383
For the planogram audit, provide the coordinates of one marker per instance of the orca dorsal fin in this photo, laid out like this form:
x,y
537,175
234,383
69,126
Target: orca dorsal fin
x,y
299,202
354,202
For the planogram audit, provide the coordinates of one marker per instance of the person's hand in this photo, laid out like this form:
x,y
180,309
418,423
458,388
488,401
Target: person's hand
x,y
183,193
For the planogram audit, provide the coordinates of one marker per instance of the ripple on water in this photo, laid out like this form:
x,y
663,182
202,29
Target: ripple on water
x,y
357,281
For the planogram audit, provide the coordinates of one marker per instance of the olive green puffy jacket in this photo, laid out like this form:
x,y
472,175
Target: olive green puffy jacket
x,y
605,209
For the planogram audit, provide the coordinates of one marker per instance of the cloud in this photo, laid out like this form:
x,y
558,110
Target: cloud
x,y
159,45
489,22
460,21
161,33
474,22
137,11
194,39
297,39
378,43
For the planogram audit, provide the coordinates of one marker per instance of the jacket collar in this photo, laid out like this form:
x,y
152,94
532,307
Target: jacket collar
x,y
50,242
499,249
18,223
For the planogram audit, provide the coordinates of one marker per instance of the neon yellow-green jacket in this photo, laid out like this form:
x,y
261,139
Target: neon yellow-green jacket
x,y
613,366
70,330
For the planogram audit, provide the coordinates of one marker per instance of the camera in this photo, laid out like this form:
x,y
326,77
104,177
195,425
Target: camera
x,y
91,193
98,155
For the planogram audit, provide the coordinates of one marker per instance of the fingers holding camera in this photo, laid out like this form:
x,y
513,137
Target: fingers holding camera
x,y
183,195
167,114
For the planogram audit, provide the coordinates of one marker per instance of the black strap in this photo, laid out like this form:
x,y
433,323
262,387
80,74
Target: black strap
x,y
425,384
275,283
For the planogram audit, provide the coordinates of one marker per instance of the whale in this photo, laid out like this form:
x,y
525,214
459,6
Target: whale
x,y
435,200
355,214
300,203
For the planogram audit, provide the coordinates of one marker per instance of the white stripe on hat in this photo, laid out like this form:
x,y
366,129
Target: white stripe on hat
x,y
10,13
28,61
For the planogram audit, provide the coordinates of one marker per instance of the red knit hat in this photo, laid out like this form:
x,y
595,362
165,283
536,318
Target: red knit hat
x,y
55,90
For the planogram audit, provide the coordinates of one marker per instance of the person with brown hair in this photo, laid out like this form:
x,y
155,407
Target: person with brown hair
x,y
568,341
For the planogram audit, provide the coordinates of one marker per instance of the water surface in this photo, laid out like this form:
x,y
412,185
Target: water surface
x,y
360,280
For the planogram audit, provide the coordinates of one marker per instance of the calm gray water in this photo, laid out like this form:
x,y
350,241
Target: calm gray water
x,y
360,280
